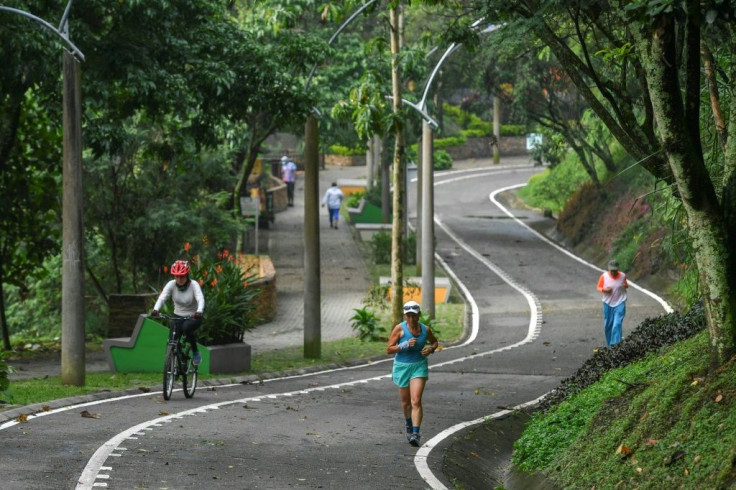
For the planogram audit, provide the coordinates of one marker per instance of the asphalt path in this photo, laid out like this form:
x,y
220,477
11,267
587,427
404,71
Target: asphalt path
x,y
534,317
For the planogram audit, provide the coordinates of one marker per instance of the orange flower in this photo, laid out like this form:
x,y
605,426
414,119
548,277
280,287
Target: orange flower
x,y
201,282
218,269
214,282
245,284
166,269
225,253
204,272
187,246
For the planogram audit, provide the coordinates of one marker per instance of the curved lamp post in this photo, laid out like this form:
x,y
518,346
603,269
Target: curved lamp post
x,y
426,182
312,282
72,285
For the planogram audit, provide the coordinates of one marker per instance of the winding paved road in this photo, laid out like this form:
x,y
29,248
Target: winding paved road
x,y
534,315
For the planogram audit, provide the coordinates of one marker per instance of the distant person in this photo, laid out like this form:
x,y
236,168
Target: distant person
x,y
412,342
188,304
288,175
333,199
613,285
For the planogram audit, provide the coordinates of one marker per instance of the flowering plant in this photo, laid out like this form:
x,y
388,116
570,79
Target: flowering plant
x,y
229,305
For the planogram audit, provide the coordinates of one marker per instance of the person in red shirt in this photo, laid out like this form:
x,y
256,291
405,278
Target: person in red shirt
x,y
613,285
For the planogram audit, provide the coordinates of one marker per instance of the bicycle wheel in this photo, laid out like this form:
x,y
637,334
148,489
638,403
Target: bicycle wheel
x,y
189,373
190,380
169,372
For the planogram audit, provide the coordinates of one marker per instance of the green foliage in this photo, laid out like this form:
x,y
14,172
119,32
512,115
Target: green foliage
x,y
475,133
448,142
552,188
513,130
34,312
380,246
442,160
658,421
353,200
229,302
4,372
345,151
365,323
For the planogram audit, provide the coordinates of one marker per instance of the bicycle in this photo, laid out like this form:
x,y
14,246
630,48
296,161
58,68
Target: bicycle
x,y
178,360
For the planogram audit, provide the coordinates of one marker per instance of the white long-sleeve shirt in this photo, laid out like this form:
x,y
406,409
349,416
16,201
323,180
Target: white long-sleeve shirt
x,y
186,303
333,197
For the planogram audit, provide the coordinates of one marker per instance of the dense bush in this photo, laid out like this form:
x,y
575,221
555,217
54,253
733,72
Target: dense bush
x,y
353,200
651,335
229,302
448,142
345,151
381,248
442,160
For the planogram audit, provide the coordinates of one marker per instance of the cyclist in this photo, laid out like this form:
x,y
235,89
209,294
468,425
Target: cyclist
x,y
188,304
412,342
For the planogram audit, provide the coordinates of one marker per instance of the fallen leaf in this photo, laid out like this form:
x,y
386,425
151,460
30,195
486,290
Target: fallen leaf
x,y
45,408
697,459
719,398
644,416
211,388
163,412
639,470
623,449
144,389
22,418
473,453
652,442
89,415
477,391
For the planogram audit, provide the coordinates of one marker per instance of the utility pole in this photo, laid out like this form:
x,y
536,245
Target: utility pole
x,y
312,279
72,275
72,247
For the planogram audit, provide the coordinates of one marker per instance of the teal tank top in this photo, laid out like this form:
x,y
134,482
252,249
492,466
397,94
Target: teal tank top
x,y
412,354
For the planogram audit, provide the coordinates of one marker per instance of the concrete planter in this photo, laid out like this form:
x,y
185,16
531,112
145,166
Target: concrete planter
x,y
144,351
229,358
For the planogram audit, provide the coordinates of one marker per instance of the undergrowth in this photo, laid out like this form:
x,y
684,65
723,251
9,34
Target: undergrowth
x,y
660,422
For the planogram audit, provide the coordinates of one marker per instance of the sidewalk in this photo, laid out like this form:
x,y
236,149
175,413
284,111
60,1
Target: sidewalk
x,y
344,281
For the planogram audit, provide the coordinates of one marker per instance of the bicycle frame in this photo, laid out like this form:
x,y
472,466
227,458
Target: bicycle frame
x,y
177,362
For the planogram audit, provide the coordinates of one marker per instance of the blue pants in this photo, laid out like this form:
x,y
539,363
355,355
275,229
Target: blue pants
x,y
613,319
334,214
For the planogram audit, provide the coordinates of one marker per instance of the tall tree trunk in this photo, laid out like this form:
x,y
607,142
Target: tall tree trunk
x,y
4,319
677,121
397,252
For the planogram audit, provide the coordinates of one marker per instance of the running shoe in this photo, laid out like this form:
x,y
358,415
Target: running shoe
x,y
408,432
414,439
196,358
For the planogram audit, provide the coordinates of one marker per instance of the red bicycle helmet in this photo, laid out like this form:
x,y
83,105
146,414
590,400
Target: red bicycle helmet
x,y
180,268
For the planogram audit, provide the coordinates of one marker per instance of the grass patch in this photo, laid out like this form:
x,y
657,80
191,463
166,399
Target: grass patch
x,y
661,422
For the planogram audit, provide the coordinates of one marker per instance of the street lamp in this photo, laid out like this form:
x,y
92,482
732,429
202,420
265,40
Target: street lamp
x,y
72,285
